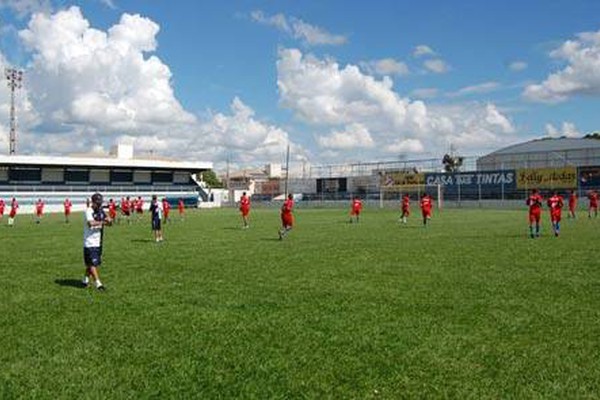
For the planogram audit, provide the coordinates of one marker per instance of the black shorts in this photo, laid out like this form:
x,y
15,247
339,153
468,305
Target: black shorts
x,y
92,256
156,224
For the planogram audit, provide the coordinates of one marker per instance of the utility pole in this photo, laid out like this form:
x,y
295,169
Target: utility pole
x,y
15,81
287,169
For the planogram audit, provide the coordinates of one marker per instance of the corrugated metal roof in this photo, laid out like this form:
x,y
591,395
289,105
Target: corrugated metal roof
x,y
545,145
103,162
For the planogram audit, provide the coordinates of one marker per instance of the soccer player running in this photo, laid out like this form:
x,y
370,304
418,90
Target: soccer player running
x,y
166,209
2,206
126,209
112,210
14,206
156,214
95,220
245,210
181,208
355,209
287,218
426,207
534,201
39,211
555,203
593,206
67,205
405,208
572,203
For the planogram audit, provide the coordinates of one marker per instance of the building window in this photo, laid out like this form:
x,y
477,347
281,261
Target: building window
x,y
121,176
81,176
24,174
162,177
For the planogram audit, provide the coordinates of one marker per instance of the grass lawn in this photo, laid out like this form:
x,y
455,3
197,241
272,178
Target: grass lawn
x,y
468,307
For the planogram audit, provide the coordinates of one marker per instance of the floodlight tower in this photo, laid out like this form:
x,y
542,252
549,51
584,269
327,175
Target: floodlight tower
x,y
15,81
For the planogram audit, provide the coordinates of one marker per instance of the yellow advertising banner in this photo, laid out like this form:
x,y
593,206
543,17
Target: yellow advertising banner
x,y
393,179
547,178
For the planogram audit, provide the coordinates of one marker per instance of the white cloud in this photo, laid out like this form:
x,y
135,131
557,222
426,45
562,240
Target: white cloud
x,y
322,93
26,7
581,75
307,33
386,66
354,136
104,81
423,50
437,66
517,66
568,130
406,146
484,87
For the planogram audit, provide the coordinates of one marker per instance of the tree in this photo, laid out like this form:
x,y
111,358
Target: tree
x,y
211,179
595,135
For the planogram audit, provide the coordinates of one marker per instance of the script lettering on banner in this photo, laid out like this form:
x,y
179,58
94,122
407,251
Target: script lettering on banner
x,y
394,179
547,178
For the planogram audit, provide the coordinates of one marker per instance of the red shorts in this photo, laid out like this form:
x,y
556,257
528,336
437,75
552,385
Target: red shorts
x,y
287,220
39,213
535,217
593,206
112,214
405,211
555,216
245,211
426,213
68,212
12,214
355,212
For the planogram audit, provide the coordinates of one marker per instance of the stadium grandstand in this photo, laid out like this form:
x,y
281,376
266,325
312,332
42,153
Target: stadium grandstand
x,y
28,178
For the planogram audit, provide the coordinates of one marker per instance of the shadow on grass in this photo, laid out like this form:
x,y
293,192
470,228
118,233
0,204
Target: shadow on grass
x,y
69,283
273,239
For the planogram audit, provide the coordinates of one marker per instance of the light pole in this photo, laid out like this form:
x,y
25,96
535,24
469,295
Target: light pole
x,y
15,81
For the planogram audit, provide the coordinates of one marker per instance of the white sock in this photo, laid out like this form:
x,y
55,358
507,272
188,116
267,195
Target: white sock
x,y
98,283
86,280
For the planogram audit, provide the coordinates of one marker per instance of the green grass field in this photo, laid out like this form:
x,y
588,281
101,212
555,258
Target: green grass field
x,y
469,307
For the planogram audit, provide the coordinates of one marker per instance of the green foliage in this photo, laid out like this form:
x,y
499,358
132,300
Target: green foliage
x,y
211,179
468,307
595,135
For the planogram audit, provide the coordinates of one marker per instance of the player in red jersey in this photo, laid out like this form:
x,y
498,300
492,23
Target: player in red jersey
x,y
139,206
287,218
534,201
166,209
181,208
126,208
39,211
572,203
593,207
2,206
245,209
555,204
112,210
426,207
67,205
14,206
405,208
355,209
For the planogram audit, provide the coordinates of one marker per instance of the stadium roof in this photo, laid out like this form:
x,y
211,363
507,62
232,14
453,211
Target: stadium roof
x,y
549,145
108,162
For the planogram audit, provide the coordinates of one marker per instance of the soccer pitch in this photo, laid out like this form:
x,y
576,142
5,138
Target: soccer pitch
x,y
468,307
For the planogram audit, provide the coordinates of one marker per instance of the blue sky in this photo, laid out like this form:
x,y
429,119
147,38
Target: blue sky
x,y
340,81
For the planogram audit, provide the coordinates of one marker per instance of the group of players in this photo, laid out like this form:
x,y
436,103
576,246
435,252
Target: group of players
x,y
128,207
535,202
